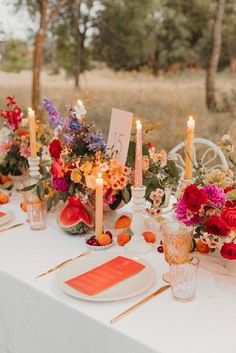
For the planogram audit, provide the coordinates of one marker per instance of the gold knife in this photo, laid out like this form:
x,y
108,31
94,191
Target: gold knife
x,y
138,304
10,227
54,268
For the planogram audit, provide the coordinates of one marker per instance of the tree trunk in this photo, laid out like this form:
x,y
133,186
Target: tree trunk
x,y
76,23
77,61
232,65
153,63
214,57
37,58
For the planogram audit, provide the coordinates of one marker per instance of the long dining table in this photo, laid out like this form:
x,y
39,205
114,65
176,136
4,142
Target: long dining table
x,y
36,316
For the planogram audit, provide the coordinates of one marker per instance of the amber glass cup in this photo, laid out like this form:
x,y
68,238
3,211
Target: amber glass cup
x,y
177,242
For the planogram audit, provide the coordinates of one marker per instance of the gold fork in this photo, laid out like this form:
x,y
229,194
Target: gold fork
x,y
13,226
54,268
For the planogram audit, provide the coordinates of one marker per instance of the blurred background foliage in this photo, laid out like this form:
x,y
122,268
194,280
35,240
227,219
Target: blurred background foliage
x,y
155,35
150,57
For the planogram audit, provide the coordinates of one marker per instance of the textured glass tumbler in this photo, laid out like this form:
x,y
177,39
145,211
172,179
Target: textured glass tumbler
x,y
177,242
37,214
183,280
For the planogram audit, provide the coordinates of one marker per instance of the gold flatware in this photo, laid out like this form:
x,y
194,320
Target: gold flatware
x,y
10,227
54,268
138,304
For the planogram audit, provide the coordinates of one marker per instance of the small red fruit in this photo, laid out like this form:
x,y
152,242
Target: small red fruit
x,y
109,233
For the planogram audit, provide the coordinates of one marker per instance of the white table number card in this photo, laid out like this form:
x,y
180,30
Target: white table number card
x,y
119,134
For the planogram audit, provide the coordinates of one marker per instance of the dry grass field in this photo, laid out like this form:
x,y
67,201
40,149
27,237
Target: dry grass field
x,y
168,100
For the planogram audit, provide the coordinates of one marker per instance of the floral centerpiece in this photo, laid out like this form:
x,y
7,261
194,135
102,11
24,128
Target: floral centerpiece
x,y
14,140
210,206
78,151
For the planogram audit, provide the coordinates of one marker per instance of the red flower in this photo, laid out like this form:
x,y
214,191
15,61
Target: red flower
x,y
56,169
229,216
230,203
23,132
11,101
228,251
149,144
217,226
194,198
55,149
229,188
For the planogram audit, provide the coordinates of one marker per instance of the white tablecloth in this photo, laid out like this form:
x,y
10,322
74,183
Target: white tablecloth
x,y
37,317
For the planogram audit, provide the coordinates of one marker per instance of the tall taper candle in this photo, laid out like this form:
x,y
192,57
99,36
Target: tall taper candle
x,y
189,148
32,131
99,206
138,156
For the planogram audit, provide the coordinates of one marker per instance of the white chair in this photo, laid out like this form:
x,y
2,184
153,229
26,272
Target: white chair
x,y
208,153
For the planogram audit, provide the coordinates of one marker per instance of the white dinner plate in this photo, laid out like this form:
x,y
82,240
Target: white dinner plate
x,y
7,217
128,288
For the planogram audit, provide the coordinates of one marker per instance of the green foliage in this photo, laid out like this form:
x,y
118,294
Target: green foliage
x,y
13,162
161,33
14,56
126,33
64,51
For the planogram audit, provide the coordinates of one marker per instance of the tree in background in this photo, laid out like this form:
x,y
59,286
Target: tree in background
x,y
70,33
47,10
160,34
214,57
14,56
125,38
229,36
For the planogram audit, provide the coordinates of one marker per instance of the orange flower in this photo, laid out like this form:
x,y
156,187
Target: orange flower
x,y
23,132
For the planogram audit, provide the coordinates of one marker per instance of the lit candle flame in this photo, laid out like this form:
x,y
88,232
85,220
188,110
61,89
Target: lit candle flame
x,y
30,111
138,124
79,102
191,123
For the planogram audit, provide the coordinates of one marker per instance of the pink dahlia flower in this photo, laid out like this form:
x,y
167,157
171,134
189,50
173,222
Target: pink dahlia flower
x,y
186,216
215,194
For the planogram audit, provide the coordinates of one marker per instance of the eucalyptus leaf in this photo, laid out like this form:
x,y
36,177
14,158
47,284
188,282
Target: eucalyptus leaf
x,y
126,194
28,188
116,203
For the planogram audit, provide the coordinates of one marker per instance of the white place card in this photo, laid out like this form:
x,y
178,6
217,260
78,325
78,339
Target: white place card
x,y
119,134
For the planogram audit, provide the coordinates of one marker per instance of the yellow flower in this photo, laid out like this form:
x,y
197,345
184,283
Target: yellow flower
x,y
86,167
114,163
145,163
76,176
95,171
115,185
90,181
218,178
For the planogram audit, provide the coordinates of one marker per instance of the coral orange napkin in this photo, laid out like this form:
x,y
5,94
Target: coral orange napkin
x,y
105,275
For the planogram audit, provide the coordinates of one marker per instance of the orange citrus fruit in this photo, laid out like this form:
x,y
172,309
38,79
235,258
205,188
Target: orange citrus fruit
x,y
104,239
202,247
149,237
23,206
4,198
123,238
123,222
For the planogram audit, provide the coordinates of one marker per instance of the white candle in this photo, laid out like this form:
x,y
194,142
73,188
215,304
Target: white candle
x,y
189,148
32,131
99,206
139,156
80,110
